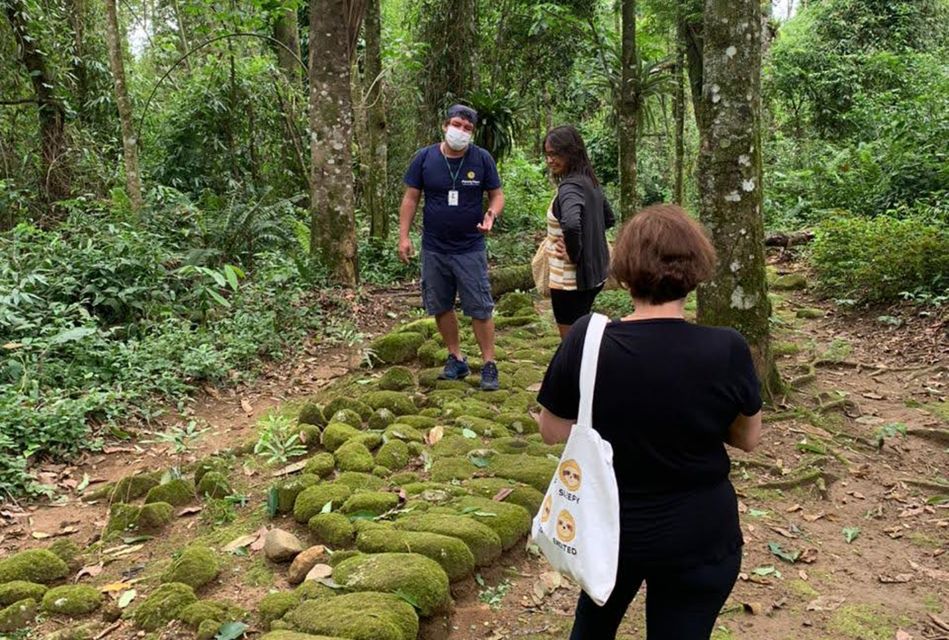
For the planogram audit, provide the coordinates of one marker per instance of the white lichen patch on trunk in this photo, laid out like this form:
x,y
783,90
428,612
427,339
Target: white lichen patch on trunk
x,y
743,301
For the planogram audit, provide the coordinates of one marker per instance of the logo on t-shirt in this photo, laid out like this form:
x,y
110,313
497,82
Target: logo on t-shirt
x,y
470,180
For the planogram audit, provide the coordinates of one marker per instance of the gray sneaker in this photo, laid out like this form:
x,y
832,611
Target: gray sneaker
x,y
489,377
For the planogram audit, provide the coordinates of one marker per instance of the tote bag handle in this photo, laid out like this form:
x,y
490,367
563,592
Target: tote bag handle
x,y
591,355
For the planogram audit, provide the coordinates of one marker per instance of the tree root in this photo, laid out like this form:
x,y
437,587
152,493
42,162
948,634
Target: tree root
x,y
818,477
938,487
940,436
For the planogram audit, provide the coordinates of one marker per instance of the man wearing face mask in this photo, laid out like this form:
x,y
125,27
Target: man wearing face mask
x,y
454,175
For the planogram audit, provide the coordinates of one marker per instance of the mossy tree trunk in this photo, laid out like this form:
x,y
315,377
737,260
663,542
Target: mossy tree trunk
x,y
628,111
678,108
332,215
729,176
377,146
286,31
52,115
114,37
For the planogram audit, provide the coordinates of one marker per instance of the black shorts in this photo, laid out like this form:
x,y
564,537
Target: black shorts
x,y
570,306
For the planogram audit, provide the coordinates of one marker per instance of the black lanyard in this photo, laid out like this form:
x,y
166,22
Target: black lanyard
x,y
454,174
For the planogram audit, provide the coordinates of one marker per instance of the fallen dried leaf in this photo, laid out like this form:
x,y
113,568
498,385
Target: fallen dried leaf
x,y
809,555
240,543
534,387
261,539
902,635
40,535
899,578
91,570
825,603
502,494
189,511
815,517
794,508
247,407
755,608
434,435
939,622
114,587
290,468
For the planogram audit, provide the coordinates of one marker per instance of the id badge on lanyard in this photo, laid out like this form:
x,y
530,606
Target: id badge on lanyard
x,y
453,192
453,198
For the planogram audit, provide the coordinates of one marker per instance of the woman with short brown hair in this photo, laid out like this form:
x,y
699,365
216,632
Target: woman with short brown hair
x,y
669,395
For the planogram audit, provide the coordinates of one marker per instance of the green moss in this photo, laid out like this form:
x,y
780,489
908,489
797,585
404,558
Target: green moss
x,y
428,378
380,419
939,409
443,398
520,445
283,634
482,541
195,567
18,616
789,282
214,484
802,590
163,605
431,353
177,492
453,555
454,445
309,436
397,402
311,500
34,565
20,590
374,502
127,489
358,481
259,573
863,622
344,554
418,421
346,416
396,348
394,455
313,590
520,402
358,616
274,606
381,472
337,434
515,321
515,303
423,326
207,465
370,440
809,314
420,488
207,629
531,470
312,413
354,456
321,465
486,428
452,468
67,551
412,574
510,521
340,403
785,348
405,432
469,407
72,600
403,478
288,490
521,494
416,449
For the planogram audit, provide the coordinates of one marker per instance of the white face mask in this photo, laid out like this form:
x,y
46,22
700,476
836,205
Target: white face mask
x,y
457,138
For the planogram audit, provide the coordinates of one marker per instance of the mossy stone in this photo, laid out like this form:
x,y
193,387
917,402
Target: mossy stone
x,y
521,494
486,428
452,445
18,615
68,551
482,541
374,502
514,303
443,385
403,431
519,422
358,481
397,348
354,456
34,565
321,465
469,407
313,590
531,470
357,616
413,574
163,605
381,472
337,434
331,529
347,416
288,490
520,402
510,521
72,600
370,440
518,445
428,378
125,490
312,499
403,478
528,376
423,326
397,402
504,322
214,484
355,405
418,488
443,398
283,634
17,590
431,412
452,468
397,379
810,314
309,436
789,282
177,492
196,566
431,353
393,455
416,448
195,614
274,606
381,418
343,554
312,413
207,465
208,629
453,555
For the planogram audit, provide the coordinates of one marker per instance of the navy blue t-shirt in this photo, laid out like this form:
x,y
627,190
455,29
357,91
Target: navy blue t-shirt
x,y
452,230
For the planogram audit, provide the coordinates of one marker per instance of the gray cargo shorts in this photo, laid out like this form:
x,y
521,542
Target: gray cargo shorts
x,y
466,274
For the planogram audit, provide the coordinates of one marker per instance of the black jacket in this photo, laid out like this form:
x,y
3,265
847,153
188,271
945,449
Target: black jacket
x,y
584,215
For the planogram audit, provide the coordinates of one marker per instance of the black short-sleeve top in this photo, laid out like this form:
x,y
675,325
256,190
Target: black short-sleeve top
x,y
666,393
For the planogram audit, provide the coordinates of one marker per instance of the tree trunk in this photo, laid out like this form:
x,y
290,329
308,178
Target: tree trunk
x,y
77,22
377,142
182,34
51,112
693,39
332,220
115,37
450,28
678,109
729,178
627,112
286,31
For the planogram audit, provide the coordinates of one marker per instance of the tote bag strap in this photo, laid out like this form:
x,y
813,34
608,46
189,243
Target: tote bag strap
x,y
591,355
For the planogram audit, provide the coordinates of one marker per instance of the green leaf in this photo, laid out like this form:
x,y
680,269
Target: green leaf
x,y
272,502
486,514
758,513
768,570
362,515
327,508
83,483
851,534
468,433
407,597
232,274
136,539
479,580
126,598
231,631
217,297
71,335
788,556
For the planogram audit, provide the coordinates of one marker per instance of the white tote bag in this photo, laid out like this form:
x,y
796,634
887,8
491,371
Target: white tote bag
x,y
577,528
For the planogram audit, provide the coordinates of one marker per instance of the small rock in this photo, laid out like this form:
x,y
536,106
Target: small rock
x,y
304,562
281,546
319,572
810,314
789,282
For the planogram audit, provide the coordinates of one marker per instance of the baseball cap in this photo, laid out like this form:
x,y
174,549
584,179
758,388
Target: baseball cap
x,y
462,111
